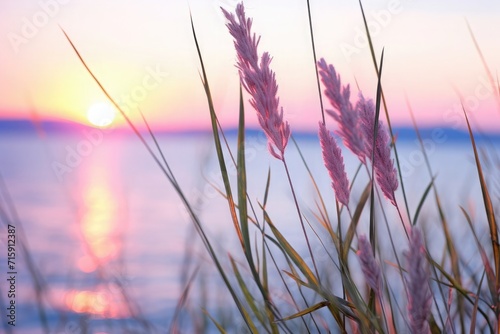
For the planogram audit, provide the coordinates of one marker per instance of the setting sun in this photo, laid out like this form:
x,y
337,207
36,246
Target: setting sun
x,y
101,114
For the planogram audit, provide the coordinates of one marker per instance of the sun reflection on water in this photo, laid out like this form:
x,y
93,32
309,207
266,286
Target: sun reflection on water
x,y
100,227
99,302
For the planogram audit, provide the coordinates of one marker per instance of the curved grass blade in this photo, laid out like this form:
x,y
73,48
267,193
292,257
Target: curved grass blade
x,y
241,230
182,300
245,241
422,201
218,325
307,311
490,215
217,141
9,215
486,263
294,256
315,184
486,67
335,304
296,278
373,238
246,293
179,191
290,265
351,231
396,155
311,30
476,305
242,185
450,245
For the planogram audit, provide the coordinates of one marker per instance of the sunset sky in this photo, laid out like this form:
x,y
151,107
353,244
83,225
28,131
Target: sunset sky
x,y
144,54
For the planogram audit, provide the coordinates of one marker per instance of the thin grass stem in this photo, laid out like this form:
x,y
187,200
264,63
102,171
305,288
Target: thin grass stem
x,y
299,213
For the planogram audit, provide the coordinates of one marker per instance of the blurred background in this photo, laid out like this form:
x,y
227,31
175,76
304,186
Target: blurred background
x,y
109,246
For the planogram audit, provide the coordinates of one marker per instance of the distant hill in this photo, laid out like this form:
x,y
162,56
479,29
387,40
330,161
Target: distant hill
x,y
21,126
26,126
442,134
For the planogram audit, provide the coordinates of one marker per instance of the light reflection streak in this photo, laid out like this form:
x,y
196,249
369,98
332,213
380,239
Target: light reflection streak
x,y
101,217
99,225
99,302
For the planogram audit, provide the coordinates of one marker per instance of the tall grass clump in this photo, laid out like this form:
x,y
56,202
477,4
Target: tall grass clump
x,y
386,282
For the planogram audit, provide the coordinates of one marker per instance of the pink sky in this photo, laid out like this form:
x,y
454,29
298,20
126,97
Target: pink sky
x,y
144,54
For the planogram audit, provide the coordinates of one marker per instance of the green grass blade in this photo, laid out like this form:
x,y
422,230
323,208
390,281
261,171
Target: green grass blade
x,y
490,213
379,94
217,324
450,245
242,184
217,141
241,230
486,67
294,256
476,306
460,289
292,269
324,212
115,104
264,268
311,30
182,301
486,263
243,211
307,311
268,184
422,201
179,191
163,158
351,231
434,326
264,271
453,282
294,275
373,239
247,294
335,304
389,125
225,177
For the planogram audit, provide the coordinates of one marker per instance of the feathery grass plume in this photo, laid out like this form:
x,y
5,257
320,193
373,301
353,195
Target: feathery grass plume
x,y
369,265
385,172
334,163
259,81
419,293
344,113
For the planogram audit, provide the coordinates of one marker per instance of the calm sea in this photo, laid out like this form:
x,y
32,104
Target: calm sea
x,y
104,244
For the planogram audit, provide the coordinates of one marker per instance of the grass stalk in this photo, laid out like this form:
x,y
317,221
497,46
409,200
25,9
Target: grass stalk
x,y
313,47
490,215
299,213
389,125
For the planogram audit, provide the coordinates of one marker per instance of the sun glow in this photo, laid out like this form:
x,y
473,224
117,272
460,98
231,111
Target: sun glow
x,y
101,114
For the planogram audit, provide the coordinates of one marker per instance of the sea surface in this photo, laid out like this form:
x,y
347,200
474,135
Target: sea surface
x,y
105,245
